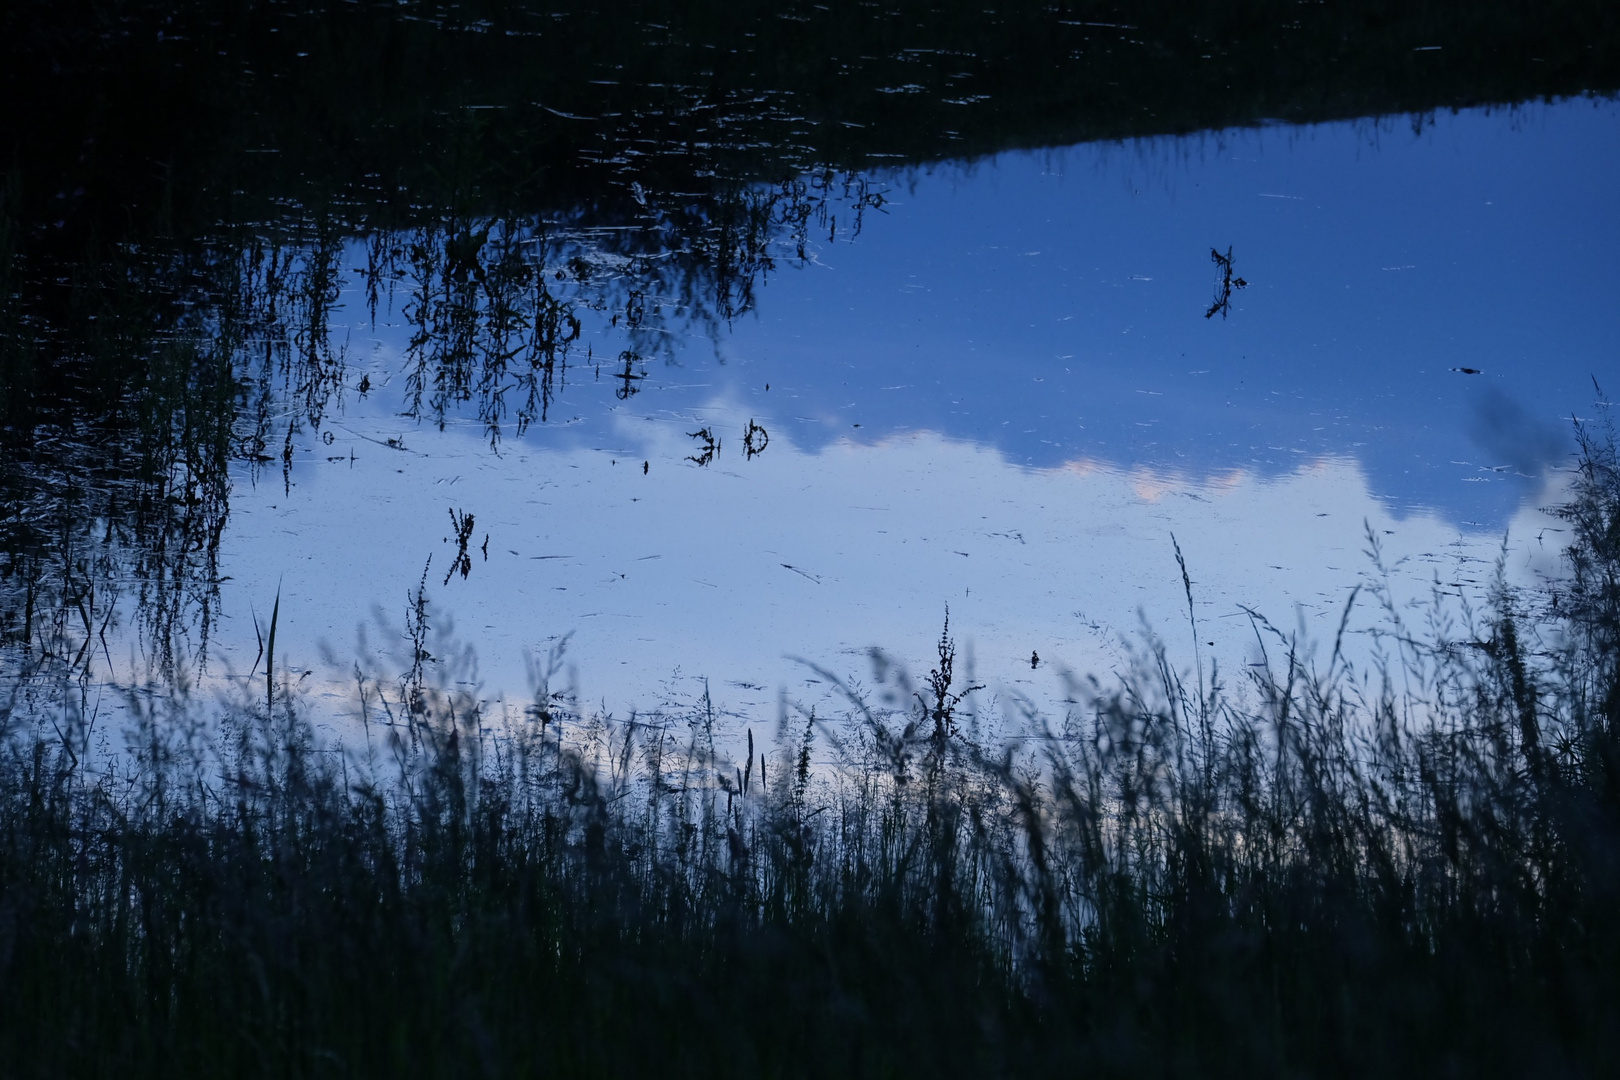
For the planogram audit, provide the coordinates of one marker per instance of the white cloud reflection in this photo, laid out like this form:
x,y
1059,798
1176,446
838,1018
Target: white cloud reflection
x,y
724,572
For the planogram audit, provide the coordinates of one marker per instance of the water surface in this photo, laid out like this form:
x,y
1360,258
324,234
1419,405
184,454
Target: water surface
x,y
1005,393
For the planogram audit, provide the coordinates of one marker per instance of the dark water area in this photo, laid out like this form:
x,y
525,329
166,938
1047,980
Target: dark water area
x,y
804,270
195,111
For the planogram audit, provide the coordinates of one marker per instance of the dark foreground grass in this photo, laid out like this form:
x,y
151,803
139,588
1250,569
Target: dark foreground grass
x,y
1411,869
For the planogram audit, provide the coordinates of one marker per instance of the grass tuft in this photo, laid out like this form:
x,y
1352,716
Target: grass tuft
x,y
1412,869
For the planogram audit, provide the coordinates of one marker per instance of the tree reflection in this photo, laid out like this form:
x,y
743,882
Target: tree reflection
x,y
134,381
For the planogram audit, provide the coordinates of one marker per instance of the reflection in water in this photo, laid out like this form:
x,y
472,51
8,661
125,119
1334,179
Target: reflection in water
x,y
1525,444
1224,284
243,348
708,446
755,439
331,337
692,576
999,331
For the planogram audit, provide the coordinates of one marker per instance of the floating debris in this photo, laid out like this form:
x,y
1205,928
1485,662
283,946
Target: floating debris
x,y
1223,288
629,376
710,447
462,525
755,440
801,573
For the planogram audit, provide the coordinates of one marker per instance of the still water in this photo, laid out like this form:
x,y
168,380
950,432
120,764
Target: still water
x,y
1005,392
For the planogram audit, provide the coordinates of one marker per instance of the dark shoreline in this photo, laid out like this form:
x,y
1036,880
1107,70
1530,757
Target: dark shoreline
x,y
128,118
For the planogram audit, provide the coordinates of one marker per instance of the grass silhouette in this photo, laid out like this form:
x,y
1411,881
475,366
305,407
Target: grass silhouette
x,y
1411,869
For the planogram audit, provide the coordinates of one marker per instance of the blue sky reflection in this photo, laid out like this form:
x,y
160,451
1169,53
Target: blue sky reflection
x,y
1052,304
1005,395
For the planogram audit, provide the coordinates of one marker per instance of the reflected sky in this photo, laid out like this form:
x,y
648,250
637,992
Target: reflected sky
x,y
1005,394
666,578
1053,304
